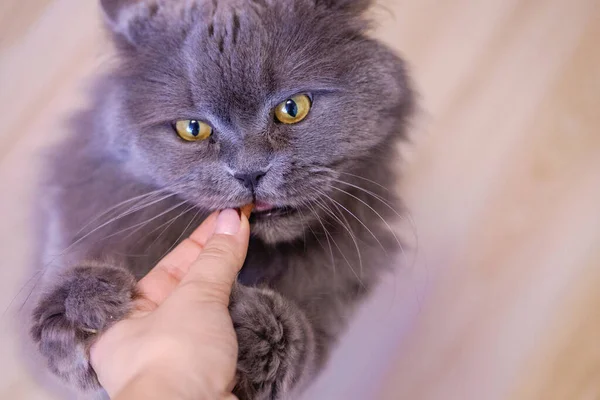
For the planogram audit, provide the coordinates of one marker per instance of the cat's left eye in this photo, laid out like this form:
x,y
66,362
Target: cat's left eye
x,y
193,130
293,110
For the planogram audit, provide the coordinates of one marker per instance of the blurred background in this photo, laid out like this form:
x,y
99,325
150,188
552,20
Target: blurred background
x,y
500,298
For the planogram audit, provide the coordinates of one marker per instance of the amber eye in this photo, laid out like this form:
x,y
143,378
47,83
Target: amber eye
x,y
193,130
293,110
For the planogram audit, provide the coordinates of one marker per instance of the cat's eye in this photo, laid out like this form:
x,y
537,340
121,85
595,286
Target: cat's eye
x,y
193,130
293,110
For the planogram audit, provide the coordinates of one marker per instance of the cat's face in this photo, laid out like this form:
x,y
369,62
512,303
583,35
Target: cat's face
x,y
282,95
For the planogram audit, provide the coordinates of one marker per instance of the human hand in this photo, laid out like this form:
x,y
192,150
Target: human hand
x,y
179,343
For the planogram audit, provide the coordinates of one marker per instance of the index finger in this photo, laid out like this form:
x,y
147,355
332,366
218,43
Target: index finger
x,y
166,275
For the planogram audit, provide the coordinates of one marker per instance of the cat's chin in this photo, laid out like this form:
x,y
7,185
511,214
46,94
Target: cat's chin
x,y
285,225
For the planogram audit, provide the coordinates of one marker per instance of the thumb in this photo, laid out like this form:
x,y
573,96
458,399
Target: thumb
x,y
215,270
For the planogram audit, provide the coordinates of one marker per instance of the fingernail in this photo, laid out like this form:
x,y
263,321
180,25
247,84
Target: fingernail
x,y
228,222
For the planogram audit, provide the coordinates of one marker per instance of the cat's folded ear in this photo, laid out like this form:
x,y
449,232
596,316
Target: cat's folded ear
x,y
358,6
129,19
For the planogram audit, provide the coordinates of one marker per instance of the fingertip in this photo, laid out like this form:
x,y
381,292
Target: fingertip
x,y
228,222
233,222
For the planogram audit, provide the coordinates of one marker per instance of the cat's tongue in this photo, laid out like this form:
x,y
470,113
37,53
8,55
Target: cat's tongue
x,y
261,206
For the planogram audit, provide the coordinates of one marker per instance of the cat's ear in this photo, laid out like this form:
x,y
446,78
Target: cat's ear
x,y
357,6
128,19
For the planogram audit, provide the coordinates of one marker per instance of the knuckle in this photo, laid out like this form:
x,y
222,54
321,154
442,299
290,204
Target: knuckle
x,y
220,251
208,291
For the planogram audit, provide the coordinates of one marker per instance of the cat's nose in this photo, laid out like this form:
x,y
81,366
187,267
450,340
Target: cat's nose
x,y
250,179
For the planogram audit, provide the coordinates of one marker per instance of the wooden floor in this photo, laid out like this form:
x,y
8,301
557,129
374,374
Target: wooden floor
x,y
501,299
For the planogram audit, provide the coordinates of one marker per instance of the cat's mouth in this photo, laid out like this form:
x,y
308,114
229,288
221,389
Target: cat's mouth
x,y
264,210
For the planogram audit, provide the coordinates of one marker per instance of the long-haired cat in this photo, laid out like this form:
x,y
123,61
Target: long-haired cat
x,y
214,104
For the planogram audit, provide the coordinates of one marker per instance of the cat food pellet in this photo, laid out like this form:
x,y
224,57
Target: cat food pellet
x,y
247,209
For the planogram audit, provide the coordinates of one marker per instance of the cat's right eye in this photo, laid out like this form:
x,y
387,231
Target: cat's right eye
x,y
193,130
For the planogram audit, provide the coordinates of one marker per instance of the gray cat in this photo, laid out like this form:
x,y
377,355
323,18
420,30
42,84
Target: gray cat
x,y
214,104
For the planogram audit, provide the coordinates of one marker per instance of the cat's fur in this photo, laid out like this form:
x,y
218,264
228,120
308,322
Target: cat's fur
x,y
228,62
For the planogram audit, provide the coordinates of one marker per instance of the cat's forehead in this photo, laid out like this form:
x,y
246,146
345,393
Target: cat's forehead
x,y
257,21
225,7
263,46
219,12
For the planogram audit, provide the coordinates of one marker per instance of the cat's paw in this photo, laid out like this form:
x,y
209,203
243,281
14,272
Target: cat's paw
x,y
87,300
276,344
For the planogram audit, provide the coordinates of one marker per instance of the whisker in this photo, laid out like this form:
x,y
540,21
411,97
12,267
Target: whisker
x,y
406,216
34,276
365,179
335,173
355,239
329,212
358,219
375,195
111,221
304,223
341,219
380,217
180,236
142,224
153,230
140,197
168,223
327,234
332,213
368,206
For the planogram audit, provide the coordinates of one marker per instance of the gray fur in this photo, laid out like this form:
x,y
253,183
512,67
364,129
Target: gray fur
x,y
229,62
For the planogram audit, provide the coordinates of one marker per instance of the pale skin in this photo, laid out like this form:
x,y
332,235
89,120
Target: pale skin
x,y
179,342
